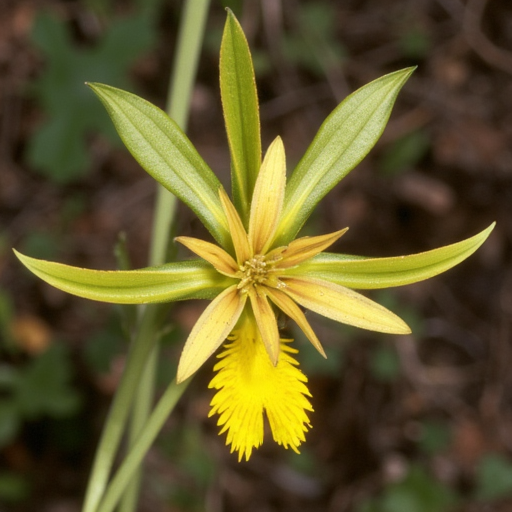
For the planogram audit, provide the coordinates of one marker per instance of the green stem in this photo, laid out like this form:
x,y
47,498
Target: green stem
x,y
142,444
116,420
189,44
141,411
178,104
179,95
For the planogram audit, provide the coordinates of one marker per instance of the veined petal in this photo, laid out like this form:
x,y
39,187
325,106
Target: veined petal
x,y
290,308
212,253
267,200
306,247
212,328
241,242
195,279
343,305
266,321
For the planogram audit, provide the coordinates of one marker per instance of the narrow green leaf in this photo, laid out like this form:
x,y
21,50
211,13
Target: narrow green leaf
x,y
342,141
373,273
165,152
194,279
493,477
241,113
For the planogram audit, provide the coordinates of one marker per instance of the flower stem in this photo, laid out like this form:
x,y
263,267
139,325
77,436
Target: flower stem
x,y
180,90
132,462
178,103
116,420
135,384
141,411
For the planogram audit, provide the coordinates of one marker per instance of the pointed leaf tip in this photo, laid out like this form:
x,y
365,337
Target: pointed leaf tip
x,y
166,153
373,273
241,113
343,140
173,281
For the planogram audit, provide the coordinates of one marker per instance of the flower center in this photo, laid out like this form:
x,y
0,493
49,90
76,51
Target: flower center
x,y
257,271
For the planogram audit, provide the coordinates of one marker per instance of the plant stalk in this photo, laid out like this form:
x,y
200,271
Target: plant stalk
x,y
131,464
138,380
179,95
118,414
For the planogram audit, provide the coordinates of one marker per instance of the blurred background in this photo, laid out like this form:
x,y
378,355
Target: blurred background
x,y
421,423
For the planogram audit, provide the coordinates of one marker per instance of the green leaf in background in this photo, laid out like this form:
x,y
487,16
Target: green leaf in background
x,y
57,148
417,492
10,421
405,310
175,281
241,113
41,244
373,273
184,446
312,364
435,436
194,458
166,153
342,141
493,478
314,44
13,488
385,363
101,348
44,386
6,315
405,152
10,415
304,463
415,42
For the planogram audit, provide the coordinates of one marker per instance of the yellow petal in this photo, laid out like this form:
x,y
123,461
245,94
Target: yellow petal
x,y
306,247
290,308
268,197
212,253
212,328
241,242
249,386
266,321
343,305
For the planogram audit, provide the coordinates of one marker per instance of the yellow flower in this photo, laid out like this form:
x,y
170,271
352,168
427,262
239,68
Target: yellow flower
x,y
256,372
257,268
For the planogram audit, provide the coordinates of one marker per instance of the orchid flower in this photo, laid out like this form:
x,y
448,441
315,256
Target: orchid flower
x,y
255,268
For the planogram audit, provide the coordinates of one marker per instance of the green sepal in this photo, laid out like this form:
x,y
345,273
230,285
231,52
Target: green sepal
x,y
195,279
372,273
165,152
342,141
241,113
